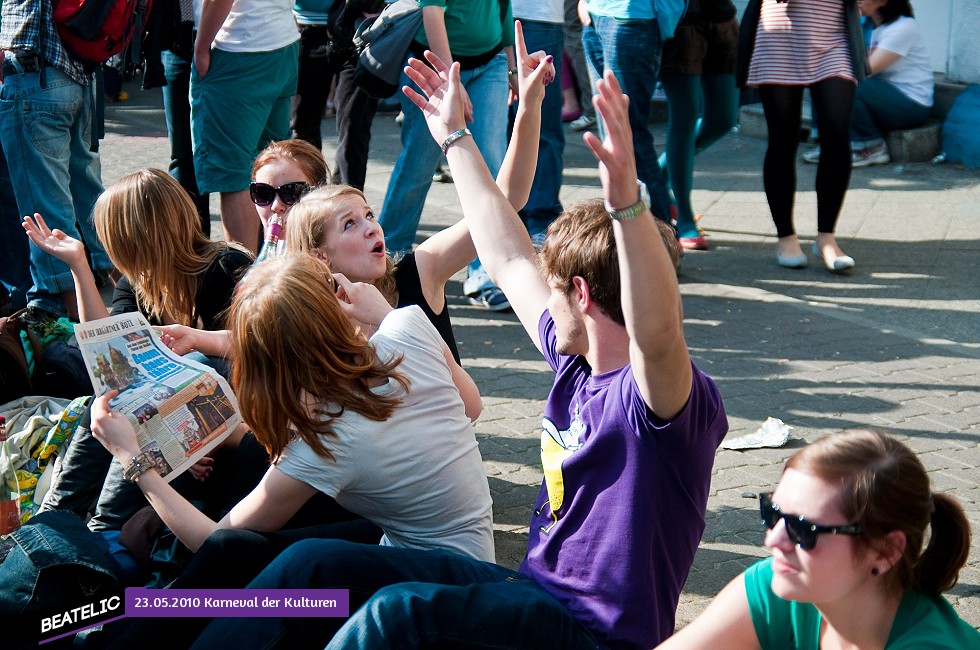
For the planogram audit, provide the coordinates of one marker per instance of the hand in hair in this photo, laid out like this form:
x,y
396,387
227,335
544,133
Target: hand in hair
x,y
54,242
361,301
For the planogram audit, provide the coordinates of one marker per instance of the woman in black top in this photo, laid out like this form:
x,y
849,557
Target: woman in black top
x,y
171,272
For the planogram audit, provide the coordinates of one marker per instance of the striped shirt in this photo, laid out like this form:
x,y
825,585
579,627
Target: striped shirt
x,y
28,26
800,42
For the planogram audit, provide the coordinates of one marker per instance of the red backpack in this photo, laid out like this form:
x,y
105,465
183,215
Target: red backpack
x,y
95,30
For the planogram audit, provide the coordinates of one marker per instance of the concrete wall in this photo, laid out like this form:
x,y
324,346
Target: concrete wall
x,y
964,54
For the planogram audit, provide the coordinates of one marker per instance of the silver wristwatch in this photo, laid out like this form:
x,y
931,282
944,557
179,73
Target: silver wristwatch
x,y
631,211
138,466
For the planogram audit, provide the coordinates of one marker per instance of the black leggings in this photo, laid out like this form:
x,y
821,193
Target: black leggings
x,y
833,100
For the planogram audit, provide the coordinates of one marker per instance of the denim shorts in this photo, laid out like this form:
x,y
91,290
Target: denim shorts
x,y
241,105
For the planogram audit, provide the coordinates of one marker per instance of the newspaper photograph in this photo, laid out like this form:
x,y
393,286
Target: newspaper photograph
x,y
181,409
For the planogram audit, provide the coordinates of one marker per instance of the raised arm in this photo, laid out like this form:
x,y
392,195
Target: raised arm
x,y
72,252
650,296
498,234
442,255
267,508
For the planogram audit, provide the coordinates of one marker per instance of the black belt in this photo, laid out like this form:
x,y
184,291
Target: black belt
x,y
26,63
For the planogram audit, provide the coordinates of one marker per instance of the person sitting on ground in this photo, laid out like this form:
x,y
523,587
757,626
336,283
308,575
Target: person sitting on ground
x,y
171,273
282,173
382,425
337,225
899,93
631,426
846,527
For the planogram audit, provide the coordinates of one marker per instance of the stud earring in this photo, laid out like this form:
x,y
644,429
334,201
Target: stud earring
x,y
874,571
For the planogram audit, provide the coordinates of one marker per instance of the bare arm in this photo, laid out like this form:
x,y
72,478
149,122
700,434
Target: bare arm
x,y
726,623
213,16
269,506
72,252
881,59
466,386
183,339
445,253
500,238
650,296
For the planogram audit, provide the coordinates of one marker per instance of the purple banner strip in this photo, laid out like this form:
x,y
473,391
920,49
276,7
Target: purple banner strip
x,y
236,603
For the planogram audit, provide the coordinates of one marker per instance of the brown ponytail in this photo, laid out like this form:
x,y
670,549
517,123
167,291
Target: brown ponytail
x,y
937,569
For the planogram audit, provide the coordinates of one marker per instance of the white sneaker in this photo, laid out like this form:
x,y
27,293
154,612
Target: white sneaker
x,y
871,156
812,156
582,123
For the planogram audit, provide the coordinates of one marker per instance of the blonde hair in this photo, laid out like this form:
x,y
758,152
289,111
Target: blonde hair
x,y
307,229
307,157
301,362
152,233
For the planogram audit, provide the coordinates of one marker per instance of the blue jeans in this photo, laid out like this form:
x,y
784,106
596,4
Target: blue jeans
x,y
177,109
880,106
411,598
487,88
632,49
15,248
47,137
543,205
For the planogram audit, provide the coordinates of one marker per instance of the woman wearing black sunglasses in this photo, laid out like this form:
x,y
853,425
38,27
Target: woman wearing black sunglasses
x,y
846,527
282,173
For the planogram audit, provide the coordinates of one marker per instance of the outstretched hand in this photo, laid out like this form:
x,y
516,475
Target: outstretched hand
x,y
617,164
54,242
441,99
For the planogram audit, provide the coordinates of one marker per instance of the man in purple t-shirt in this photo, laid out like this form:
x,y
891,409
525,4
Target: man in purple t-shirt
x,y
629,434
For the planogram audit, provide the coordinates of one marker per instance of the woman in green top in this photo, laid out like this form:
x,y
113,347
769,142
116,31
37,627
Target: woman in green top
x,y
846,527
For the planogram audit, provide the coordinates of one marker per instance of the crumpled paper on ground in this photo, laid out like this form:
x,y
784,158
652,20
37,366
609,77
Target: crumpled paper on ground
x,y
773,433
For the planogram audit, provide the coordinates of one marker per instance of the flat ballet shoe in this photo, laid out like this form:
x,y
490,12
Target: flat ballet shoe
x,y
791,261
839,264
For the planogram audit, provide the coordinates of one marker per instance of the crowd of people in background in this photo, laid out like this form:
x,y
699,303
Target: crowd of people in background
x,y
357,466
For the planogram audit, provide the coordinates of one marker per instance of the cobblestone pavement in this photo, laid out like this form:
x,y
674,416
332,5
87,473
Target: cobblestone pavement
x,y
896,344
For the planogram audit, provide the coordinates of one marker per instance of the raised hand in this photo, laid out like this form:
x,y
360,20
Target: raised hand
x,y
54,242
617,165
441,99
534,71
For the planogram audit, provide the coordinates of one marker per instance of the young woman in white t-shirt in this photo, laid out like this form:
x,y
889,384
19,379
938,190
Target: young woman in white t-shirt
x,y
381,424
899,92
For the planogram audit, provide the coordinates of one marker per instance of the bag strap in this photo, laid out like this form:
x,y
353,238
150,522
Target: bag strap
x,y
18,320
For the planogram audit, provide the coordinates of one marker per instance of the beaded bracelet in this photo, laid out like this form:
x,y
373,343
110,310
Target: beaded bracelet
x,y
453,137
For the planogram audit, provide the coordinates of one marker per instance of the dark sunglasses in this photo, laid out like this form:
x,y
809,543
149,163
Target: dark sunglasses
x,y
264,194
800,531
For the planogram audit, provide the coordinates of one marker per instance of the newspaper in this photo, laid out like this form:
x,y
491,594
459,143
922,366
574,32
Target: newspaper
x,y
181,409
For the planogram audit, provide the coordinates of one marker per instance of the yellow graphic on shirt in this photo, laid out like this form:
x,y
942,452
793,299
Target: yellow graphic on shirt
x,y
556,446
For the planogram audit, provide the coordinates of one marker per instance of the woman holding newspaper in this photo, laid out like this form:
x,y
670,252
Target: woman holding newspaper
x,y
340,413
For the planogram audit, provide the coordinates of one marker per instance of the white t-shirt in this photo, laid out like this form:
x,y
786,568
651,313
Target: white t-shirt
x,y
912,73
543,11
418,475
257,26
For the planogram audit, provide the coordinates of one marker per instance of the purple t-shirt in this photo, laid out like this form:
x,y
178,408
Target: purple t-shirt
x,y
621,511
